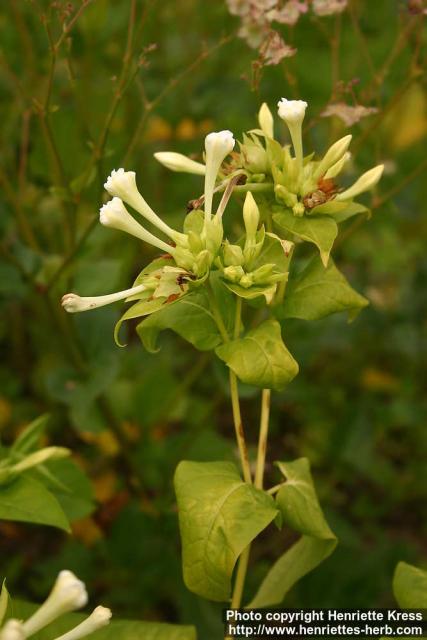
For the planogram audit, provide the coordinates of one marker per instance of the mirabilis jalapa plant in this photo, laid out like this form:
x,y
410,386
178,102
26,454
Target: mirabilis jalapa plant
x,y
232,296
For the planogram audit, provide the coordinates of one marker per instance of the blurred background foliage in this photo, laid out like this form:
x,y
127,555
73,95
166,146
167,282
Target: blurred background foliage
x,y
89,86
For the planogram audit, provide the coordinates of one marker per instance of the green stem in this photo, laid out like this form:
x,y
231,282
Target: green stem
x,y
239,584
263,436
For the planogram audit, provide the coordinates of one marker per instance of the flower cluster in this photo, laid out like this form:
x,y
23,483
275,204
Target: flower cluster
x,y
68,594
271,176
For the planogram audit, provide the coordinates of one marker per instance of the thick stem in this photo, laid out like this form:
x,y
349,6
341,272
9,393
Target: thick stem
x,y
263,436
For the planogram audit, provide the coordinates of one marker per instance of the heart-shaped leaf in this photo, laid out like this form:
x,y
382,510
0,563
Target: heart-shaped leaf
x,y
318,291
260,357
219,515
321,230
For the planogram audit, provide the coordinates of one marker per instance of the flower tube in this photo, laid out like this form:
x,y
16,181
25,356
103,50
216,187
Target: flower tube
x,y
73,303
68,594
115,215
99,618
122,184
217,145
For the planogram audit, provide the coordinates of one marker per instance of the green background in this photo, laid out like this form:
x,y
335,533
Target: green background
x,y
358,407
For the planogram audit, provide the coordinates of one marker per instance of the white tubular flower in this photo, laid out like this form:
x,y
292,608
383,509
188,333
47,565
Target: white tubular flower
x,y
364,183
179,162
293,112
73,303
115,215
99,618
333,155
217,145
122,184
265,119
12,630
336,168
68,594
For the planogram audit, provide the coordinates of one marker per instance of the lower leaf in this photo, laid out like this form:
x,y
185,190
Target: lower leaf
x,y
300,510
410,586
219,515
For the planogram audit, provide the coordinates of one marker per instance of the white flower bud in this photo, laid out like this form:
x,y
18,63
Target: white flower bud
x,y
250,215
336,168
122,184
12,630
293,112
68,594
115,215
179,162
73,303
265,119
364,183
99,618
217,146
333,154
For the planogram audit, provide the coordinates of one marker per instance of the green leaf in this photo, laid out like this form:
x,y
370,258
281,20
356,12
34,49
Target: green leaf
x,y
410,586
219,515
341,211
260,358
191,318
73,489
300,510
320,230
4,600
27,500
318,291
116,630
137,310
29,437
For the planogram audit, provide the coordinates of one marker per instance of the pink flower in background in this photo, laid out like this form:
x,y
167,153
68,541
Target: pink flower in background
x,y
350,115
329,7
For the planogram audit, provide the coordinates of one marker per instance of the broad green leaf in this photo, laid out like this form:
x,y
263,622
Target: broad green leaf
x,y
320,230
260,357
256,291
4,600
318,291
73,489
219,515
410,586
116,630
300,510
191,317
340,211
27,500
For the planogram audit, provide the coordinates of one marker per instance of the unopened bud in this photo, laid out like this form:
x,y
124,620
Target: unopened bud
x,y
179,162
233,255
265,119
336,168
364,183
333,154
233,274
250,215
